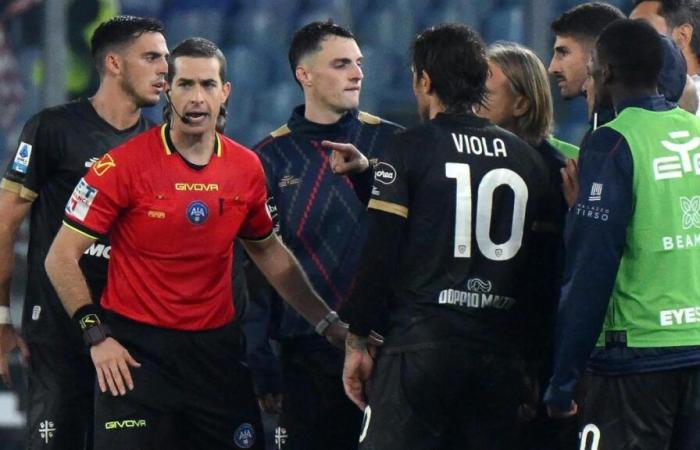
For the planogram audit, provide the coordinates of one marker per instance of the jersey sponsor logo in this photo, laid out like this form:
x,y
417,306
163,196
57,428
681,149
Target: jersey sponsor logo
x,y
128,423
596,192
477,295
384,173
103,164
81,199
197,187
479,285
156,214
244,437
21,162
89,163
288,180
668,167
478,145
98,250
691,212
281,437
197,212
592,212
690,218
47,430
682,316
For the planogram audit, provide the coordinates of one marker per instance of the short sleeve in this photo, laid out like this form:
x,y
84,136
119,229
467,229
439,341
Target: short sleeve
x,y
258,222
390,188
99,197
30,166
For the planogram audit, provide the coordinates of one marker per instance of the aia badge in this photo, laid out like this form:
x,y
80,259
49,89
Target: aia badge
x,y
244,437
103,165
197,212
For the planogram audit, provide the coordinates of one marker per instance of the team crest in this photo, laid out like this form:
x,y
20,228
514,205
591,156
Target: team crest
x,y
244,436
197,213
103,165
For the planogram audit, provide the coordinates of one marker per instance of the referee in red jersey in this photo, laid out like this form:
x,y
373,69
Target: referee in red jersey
x,y
164,341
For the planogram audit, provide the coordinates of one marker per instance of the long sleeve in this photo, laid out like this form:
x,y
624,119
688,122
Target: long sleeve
x,y
595,239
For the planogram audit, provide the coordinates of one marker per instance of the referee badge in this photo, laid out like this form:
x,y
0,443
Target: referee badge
x,y
244,436
197,212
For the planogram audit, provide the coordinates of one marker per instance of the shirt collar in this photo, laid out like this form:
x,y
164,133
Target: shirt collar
x,y
299,124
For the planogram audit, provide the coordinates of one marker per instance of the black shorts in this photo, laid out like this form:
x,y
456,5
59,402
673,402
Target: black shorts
x,y
444,398
316,413
60,382
191,392
654,411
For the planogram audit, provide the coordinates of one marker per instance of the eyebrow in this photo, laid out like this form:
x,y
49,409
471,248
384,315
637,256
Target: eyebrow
x,y
192,81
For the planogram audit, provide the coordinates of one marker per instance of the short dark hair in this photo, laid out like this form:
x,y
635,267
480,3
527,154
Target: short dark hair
x,y
120,31
634,50
196,47
454,56
308,39
586,21
679,12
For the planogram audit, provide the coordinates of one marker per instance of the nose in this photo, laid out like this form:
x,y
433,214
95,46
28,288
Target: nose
x,y
162,68
553,67
197,94
357,73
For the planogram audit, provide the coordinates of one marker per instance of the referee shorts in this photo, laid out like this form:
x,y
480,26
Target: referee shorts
x,y
647,411
191,392
446,397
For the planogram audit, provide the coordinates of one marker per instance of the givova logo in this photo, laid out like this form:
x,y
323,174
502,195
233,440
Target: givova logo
x,y
127,423
244,437
668,167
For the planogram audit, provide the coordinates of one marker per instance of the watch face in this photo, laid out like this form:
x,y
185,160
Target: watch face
x,y
88,321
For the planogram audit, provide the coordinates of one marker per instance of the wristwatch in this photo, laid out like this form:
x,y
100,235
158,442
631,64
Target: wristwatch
x,y
96,334
327,321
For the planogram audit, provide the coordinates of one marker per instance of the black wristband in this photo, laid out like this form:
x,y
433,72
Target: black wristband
x,y
87,317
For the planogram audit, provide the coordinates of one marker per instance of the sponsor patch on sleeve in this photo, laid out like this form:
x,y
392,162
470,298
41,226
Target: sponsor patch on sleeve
x,y
80,201
21,162
103,165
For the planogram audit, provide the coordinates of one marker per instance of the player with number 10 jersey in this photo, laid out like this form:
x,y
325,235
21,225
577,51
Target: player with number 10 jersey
x,y
454,208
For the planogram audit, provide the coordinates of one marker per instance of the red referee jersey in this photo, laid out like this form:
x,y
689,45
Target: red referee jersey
x,y
172,227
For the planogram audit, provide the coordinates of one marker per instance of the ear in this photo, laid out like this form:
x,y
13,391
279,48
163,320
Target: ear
x,y
226,88
682,35
303,76
425,83
521,106
113,63
606,74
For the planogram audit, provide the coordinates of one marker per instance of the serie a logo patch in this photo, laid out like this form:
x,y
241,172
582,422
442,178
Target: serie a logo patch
x,y
21,162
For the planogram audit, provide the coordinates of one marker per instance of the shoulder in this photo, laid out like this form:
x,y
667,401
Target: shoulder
x,y
279,134
604,139
371,120
140,148
236,151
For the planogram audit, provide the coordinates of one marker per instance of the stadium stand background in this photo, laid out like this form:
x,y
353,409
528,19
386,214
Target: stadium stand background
x,y
44,59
